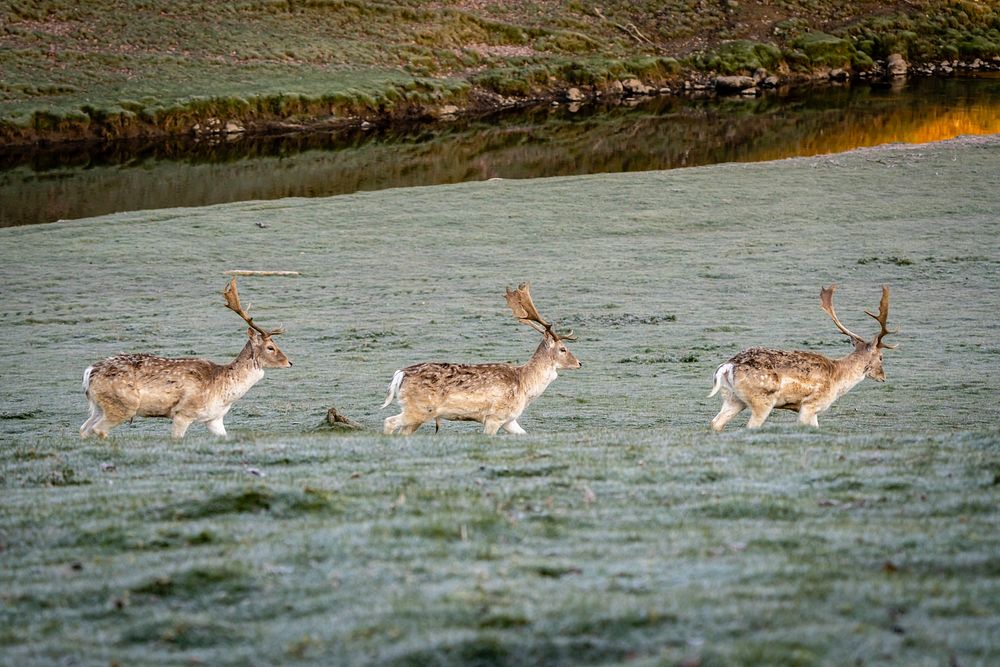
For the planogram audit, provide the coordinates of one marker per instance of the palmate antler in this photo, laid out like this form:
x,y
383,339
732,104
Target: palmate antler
x,y
826,302
524,310
882,318
233,303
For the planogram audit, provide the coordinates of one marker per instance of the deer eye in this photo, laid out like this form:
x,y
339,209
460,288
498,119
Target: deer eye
x,y
562,349
270,348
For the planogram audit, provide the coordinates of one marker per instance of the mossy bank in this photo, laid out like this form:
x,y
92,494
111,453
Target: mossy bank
x,y
108,69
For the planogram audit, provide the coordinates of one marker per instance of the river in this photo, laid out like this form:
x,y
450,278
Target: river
x,y
44,184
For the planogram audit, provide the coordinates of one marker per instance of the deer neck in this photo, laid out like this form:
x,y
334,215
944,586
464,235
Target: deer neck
x,y
538,373
242,373
849,371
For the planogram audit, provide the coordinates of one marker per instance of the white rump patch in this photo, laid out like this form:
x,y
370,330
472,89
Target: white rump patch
x,y
723,377
397,379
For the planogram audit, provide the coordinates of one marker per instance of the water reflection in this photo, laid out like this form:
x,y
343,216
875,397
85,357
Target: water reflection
x,y
45,185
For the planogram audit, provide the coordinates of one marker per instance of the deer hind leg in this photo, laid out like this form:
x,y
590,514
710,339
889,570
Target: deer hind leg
x,y
390,424
402,422
491,425
731,406
113,411
180,426
108,420
410,419
409,428
395,423
87,428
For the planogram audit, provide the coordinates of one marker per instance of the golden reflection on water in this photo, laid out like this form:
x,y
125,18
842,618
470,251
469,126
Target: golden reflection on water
x,y
891,129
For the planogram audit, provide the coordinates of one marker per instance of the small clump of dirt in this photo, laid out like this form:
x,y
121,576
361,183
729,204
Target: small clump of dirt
x,y
335,421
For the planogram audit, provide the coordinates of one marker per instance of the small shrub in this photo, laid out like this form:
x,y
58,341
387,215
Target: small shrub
x,y
825,50
978,47
741,57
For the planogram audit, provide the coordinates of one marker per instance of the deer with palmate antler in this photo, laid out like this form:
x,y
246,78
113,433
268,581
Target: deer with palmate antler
x,y
183,390
763,379
494,395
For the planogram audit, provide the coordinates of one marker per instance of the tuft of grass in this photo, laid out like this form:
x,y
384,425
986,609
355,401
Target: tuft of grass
x,y
198,582
824,50
182,632
741,57
258,499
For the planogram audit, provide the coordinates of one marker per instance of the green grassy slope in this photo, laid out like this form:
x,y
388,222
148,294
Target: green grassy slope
x,y
127,67
618,530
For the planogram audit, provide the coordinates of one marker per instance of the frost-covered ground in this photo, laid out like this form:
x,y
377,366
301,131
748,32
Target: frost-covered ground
x,y
619,529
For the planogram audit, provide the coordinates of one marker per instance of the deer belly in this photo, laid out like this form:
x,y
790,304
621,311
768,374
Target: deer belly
x,y
156,405
161,400
472,410
788,392
462,417
459,413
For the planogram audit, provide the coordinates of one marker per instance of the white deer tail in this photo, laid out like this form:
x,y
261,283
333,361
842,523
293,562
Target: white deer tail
x,y
723,377
86,378
397,379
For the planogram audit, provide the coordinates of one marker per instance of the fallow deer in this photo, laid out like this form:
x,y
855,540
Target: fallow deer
x,y
494,395
763,379
183,390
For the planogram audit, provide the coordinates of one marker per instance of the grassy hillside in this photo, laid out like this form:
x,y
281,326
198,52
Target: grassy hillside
x,y
620,529
113,68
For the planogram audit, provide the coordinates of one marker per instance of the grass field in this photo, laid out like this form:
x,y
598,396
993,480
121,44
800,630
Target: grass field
x,y
619,530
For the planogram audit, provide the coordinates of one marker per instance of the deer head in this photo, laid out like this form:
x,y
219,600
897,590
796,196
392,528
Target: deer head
x,y
873,348
265,351
524,310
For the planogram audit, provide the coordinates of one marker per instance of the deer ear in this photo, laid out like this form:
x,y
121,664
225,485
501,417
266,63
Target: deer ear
x,y
252,334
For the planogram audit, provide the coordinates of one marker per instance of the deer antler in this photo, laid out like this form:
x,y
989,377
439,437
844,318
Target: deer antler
x,y
826,302
524,310
882,318
233,303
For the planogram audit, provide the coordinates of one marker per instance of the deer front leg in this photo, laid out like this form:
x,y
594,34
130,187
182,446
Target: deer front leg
x,y
808,416
216,427
513,427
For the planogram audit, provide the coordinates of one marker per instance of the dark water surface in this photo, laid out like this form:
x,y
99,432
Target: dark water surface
x,y
59,183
